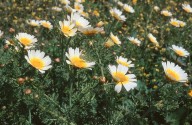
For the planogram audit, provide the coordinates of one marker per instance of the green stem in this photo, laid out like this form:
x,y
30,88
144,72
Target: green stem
x,y
70,93
71,86
62,49
30,116
100,64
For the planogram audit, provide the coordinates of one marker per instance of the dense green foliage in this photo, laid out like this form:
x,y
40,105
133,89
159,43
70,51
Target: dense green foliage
x,y
68,95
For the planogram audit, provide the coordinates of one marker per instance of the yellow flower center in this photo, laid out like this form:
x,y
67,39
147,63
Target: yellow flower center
x,y
120,77
127,9
179,52
37,63
46,25
77,7
122,63
78,24
25,41
67,30
78,62
116,16
190,93
166,13
175,23
172,74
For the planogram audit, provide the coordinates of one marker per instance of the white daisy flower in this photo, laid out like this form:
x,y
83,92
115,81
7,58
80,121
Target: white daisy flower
x,y
33,22
166,13
122,79
123,61
175,22
57,9
75,59
187,8
78,7
174,72
79,21
38,60
80,1
153,39
66,2
120,3
112,41
68,28
69,9
117,14
1,33
182,24
46,24
180,51
26,40
156,8
128,8
134,41
91,30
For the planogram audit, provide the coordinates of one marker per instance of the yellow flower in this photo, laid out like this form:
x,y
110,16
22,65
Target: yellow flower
x,y
174,72
26,39
38,60
75,59
122,79
68,28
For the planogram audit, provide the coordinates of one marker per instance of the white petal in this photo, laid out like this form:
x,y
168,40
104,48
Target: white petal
x,y
121,68
130,85
118,88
